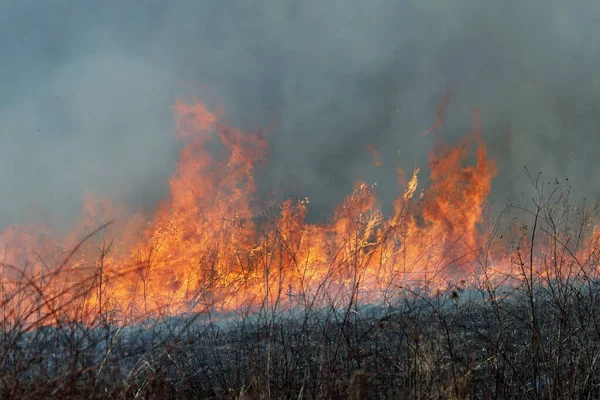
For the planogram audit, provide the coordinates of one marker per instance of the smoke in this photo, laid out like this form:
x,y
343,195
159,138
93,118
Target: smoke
x,y
87,89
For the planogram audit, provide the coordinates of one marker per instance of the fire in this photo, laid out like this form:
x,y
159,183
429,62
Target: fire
x,y
207,246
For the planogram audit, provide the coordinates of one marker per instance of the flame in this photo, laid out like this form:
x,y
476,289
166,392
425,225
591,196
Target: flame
x,y
209,246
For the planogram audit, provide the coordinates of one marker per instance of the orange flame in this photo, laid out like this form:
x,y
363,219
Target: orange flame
x,y
206,246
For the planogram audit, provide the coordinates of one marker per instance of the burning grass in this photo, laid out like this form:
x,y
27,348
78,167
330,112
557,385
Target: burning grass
x,y
539,340
207,246
211,299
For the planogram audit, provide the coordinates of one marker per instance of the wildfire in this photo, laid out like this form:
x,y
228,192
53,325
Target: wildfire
x,y
207,247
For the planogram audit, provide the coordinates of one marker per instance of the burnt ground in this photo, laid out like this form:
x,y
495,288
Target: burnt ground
x,y
475,344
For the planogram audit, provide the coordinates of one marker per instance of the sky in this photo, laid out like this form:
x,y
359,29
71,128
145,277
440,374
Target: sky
x,y
87,89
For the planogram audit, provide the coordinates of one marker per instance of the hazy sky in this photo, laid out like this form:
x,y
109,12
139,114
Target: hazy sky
x,y
87,88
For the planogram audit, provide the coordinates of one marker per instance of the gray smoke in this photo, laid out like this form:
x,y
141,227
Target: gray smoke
x,y
87,88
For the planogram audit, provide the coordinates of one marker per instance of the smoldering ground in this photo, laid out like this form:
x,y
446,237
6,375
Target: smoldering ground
x,y
87,89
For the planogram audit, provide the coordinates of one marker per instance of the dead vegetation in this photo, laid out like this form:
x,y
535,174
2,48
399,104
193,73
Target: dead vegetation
x,y
534,334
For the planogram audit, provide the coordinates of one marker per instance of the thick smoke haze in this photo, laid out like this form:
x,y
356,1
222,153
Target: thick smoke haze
x,y
87,89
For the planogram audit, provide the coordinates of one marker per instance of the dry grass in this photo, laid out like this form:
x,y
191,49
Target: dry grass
x,y
540,339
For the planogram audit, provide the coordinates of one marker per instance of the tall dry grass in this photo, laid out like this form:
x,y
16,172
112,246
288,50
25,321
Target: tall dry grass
x,y
534,334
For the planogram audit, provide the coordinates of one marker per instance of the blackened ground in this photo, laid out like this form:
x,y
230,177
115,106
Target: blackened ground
x,y
475,343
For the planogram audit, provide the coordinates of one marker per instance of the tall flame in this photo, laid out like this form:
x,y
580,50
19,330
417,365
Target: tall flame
x,y
208,247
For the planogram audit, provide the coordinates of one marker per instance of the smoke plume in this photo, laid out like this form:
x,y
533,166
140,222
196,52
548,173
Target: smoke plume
x,y
87,90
